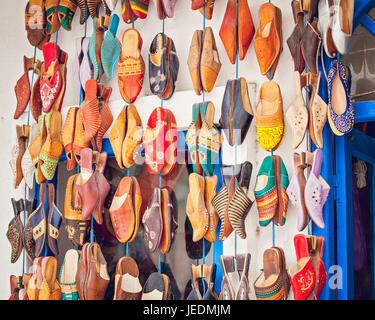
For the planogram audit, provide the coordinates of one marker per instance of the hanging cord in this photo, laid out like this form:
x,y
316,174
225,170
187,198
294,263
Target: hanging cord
x,y
273,220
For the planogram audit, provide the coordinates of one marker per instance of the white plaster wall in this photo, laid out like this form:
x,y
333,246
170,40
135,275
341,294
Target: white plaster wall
x,y
180,29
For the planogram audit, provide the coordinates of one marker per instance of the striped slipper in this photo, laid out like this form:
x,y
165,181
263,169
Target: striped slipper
x,y
96,44
140,7
111,48
282,183
240,204
127,13
93,6
265,192
84,12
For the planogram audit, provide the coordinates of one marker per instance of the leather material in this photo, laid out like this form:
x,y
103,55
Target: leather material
x,y
127,285
203,272
158,67
54,220
27,237
310,45
15,230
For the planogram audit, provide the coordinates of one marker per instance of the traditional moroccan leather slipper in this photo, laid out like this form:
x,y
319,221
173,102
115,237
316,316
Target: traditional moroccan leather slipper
x,y
168,7
155,287
50,289
122,210
67,137
207,274
265,192
270,116
316,245
15,230
317,189
51,79
227,290
158,67
52,17
207,9
131,67
282,183
127,13
67,276
111,48
196,208
137,203
127,285
236,111
246,28
209,140
35,282
90,111
209,194
86,185
154,141
117,135
318,110
86,71
194,60
228,31
79,133
66,11
103,185
297,114
27,236
140,8
76,228
159,9
170,225
95,46
192,136
340,107
18,151
22,88
133,136
36,103
210,64
268,39
93,7
54,220
106,116
310,46
171,144
35,22
153,222
271,283
52,148
296,189
38,222
240,203
35,148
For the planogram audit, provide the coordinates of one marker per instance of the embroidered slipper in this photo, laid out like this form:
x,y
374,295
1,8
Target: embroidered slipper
x,y
158,67
282,183
63,61
133,136
54,220
192,136
117,135
210,64
127,285
209,140
105,114
137,203
171,142
22,87
35,148
153,222
87,186
67,276
270,116
90,111
155,287
27,235
35,22
241,204
195,206
296,189
122,210
111,48
154,141
318,111
39,223
86,71
194,61
265,192
209,194
297,114
317,189
103,185
95,46
52,148
51,77
131,67
52,18
316,245
76,228
67,137
140,7
36,103
15,230
66,11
